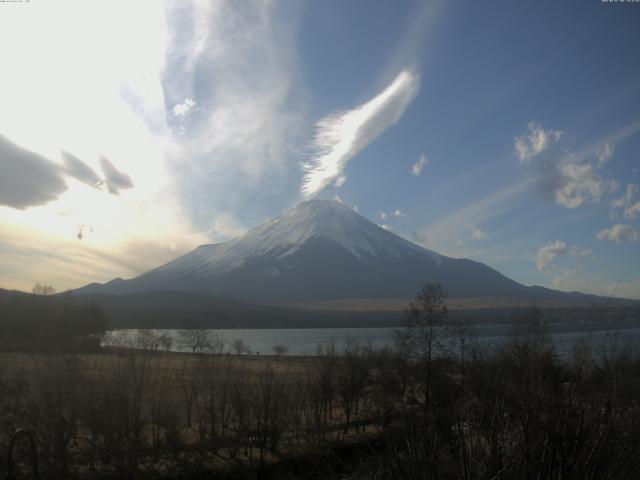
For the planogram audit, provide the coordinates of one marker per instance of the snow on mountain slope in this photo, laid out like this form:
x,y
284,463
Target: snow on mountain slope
x,y
285,235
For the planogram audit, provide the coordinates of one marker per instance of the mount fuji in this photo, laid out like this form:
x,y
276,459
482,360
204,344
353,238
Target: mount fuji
x,y
320,250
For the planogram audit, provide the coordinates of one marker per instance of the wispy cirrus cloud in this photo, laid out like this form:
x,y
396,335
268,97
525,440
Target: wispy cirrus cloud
x,y
237,117
197,103
452,227
341,136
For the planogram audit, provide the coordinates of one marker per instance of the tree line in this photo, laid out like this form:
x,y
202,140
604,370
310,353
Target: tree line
x,y
47,322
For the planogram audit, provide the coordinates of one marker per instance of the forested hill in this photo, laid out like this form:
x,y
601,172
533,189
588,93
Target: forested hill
x,y
49,322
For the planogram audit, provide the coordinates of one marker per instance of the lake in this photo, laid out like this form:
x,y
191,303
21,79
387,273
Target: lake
x,y
305,341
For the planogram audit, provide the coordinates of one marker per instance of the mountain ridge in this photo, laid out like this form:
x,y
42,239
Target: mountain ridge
x,y
320,250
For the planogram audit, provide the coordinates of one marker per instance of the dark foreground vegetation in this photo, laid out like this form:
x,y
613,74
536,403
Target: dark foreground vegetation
x,y
48,322
436,406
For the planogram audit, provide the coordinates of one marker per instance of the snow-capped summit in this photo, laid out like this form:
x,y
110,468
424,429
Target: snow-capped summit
x,y
337,222
318,250
288,233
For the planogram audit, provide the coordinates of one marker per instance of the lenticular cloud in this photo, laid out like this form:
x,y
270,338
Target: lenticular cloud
x,y
341,136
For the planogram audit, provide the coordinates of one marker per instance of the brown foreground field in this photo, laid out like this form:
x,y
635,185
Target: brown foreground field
x,y
517,411
138,413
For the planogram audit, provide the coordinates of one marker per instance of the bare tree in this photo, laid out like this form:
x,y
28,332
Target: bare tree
x,y
325,383
280,350
217,342
423,335
195,339
121,339
239,347
42,289
351,380
147,339
166,342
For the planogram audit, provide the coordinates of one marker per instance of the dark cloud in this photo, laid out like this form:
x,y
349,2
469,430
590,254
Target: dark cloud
x,y
26,178
79,170
114,179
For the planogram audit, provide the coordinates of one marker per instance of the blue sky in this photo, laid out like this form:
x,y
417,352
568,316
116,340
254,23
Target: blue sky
x,y
202,120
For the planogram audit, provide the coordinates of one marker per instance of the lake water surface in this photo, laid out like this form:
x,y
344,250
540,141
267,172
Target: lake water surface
x,y
305,341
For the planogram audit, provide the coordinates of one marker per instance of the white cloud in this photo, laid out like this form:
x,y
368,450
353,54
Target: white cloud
x,y
580,252
605,153
182,109
237,61
416,168
619,233
386,227
341,136
234,64
399,213
26,178
627,198
633,211
579,183
224,227
548,253
478,234
340,181
626,202
534,142
114,178
577,178
339,199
